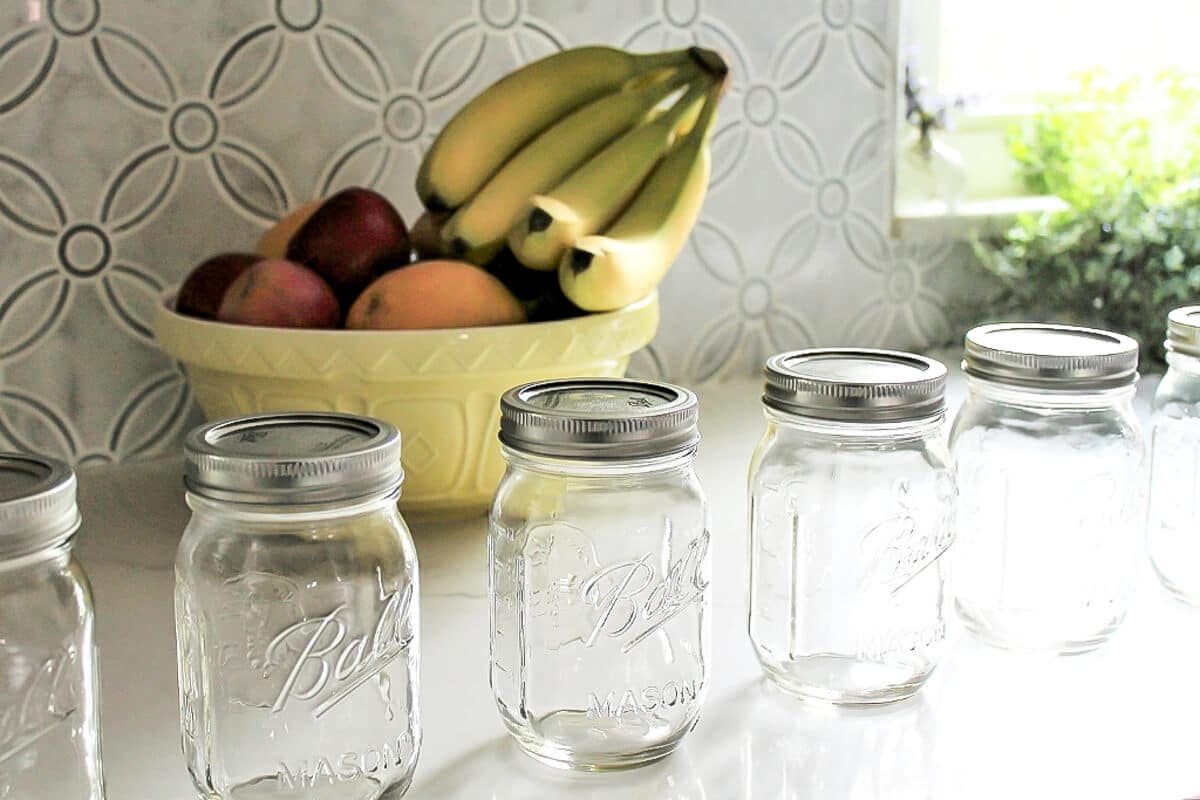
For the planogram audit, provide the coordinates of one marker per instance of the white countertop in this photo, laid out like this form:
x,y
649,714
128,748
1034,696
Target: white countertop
x,y
1123,722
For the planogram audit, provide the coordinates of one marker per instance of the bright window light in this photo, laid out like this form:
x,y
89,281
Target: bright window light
x,y
1017,50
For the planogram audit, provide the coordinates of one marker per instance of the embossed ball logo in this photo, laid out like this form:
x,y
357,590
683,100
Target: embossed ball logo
x,y
327,663
42,702
633,601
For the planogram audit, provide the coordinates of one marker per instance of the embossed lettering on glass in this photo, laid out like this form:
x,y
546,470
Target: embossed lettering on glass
x,y
598,561
851,513
1173,520
1049,457
296,611
49,693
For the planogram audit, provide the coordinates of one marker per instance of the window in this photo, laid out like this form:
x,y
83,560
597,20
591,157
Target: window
x,y
1014,52
1006,59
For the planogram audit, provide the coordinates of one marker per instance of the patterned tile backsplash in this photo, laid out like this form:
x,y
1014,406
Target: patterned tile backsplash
x,y
138,136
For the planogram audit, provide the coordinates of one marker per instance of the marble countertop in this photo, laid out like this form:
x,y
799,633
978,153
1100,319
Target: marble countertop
x,y
1123,722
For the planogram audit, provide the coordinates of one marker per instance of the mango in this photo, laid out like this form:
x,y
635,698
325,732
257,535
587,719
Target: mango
x,y
280,294
347,236
274,243
201,292
435,294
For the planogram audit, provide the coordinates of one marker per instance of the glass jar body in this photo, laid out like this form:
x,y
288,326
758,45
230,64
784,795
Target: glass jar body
x,y
298,649
848,525
49,692
1173,518
1050,507
600,606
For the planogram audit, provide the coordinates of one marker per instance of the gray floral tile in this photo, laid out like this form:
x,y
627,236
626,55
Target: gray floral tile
x,y
138,137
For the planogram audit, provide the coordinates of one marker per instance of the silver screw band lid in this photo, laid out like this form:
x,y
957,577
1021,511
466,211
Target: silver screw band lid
x,y
604,418
300,457
1044,356
37,504
1183,331
855,384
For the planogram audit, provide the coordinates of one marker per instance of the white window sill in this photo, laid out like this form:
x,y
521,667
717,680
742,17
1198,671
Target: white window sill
x,y
933,220
995,193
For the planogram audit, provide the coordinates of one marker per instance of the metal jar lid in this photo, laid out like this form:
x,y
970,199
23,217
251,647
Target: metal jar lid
x,y
1183,331
1059,357
855,385
37,504
604,418
297,457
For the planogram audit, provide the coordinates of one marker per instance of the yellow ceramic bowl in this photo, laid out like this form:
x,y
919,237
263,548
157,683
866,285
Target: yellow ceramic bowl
x,y
440,387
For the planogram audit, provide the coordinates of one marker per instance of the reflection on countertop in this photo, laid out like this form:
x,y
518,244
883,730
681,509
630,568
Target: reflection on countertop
x,y
769,745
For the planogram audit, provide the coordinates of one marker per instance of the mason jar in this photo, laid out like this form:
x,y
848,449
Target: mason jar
x,y
1049,457
851,510
49,692
598,565
1173,529
296,610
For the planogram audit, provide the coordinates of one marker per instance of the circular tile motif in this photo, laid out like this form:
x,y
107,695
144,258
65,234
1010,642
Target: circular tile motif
x,y
833,198
761,105
901,283
681,13
73,17
837,13
298,16
755,298
84,251
193,127
404,117
500,14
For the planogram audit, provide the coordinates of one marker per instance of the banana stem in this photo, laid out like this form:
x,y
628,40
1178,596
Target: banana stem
x,y
646,62
708,114
710,61
682,115
665,82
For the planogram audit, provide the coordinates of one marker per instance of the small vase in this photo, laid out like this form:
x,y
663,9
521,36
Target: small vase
x,y
930,171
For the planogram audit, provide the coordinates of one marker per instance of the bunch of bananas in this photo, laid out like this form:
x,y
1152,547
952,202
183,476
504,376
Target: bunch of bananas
x,y
592,162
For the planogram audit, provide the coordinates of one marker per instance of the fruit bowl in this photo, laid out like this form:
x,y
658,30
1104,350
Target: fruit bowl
x,y
440,387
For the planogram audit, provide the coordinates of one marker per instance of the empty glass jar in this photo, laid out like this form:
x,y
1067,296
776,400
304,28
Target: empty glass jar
x,y
1049,457
1173,530
598,569
49,693
851,511
296,611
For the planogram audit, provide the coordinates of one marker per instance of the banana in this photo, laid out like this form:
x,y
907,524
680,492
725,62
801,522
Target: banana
x,y
501,119
627,262
591,197
478,229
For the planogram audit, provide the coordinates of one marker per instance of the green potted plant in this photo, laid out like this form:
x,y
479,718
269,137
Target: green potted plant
x,y
1125,158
